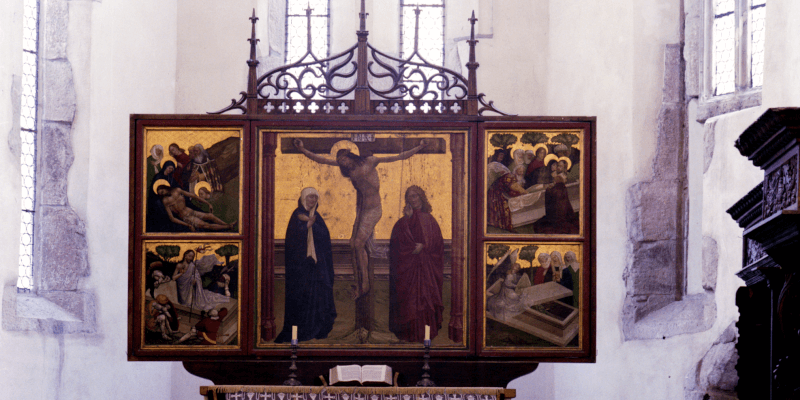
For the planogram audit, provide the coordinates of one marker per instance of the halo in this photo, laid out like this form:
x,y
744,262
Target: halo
x,y
550,157
344,144
569,162
541,145
158,183
166,158
200,185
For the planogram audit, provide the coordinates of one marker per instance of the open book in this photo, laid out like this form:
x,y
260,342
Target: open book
x,y
381,374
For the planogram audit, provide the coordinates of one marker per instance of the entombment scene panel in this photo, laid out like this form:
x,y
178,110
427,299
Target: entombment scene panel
x,y
369,238
532,295
534,182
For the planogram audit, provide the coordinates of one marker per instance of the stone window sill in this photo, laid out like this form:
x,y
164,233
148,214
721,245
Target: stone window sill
x,y
695,313
728,103
53,311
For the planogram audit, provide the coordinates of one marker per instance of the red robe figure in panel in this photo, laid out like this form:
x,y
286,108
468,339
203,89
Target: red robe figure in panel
x,y
183,161
208,327
498,214
416,271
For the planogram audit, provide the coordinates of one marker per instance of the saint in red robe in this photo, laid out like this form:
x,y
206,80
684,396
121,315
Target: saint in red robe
x,y
415,280
182,170
498,213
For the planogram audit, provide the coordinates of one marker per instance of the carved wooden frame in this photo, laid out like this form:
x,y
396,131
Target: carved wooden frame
x,y
446,101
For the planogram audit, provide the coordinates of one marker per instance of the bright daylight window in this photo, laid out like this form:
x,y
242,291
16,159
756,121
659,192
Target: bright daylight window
x,y
728,72
297,28
30,44
297,35
431,31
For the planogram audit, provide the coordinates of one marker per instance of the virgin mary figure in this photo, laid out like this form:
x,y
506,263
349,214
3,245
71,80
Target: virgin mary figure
x,y
309,273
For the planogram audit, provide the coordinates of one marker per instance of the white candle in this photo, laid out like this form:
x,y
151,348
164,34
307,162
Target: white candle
x,y
294,332
427,332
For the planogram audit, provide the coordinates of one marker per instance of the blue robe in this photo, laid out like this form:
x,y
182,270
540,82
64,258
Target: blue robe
x,y
309,284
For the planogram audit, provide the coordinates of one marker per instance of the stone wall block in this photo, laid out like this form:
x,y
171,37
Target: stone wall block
x,y
652,211
692,51
710,263
670,123
56,159
63,256
14,141
58,93
653,271
718,369
672,74
715,376
55,30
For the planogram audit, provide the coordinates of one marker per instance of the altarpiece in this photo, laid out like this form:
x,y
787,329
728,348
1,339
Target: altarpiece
x,y
367,202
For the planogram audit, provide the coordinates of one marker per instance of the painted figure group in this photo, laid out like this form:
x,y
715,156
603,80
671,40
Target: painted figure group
x,y
529,172
188,277
179,188
416,253
507,302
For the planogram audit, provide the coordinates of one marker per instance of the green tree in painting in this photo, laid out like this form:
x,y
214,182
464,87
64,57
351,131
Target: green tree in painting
x,y
497,250
503,140
228,251
528,253
568,139
168,252
534,138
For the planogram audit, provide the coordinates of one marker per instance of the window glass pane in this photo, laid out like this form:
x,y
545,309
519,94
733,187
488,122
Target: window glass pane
x,y
423,3
724,6
27,119
723,56
318,7
757,13
30,25
297,31
430,35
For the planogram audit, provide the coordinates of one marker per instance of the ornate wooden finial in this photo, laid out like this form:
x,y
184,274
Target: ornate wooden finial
x,y
252,75
472,40
472,65
363,17
253,39
472,20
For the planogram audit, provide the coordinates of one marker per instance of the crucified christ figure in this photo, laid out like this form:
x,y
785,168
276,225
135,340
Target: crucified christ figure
x,y
364,177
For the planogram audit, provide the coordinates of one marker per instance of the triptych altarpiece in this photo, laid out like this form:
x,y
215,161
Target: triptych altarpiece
x,y
366,217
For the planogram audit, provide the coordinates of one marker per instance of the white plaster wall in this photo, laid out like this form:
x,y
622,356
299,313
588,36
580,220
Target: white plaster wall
x,y
782,55
212,52
519,49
